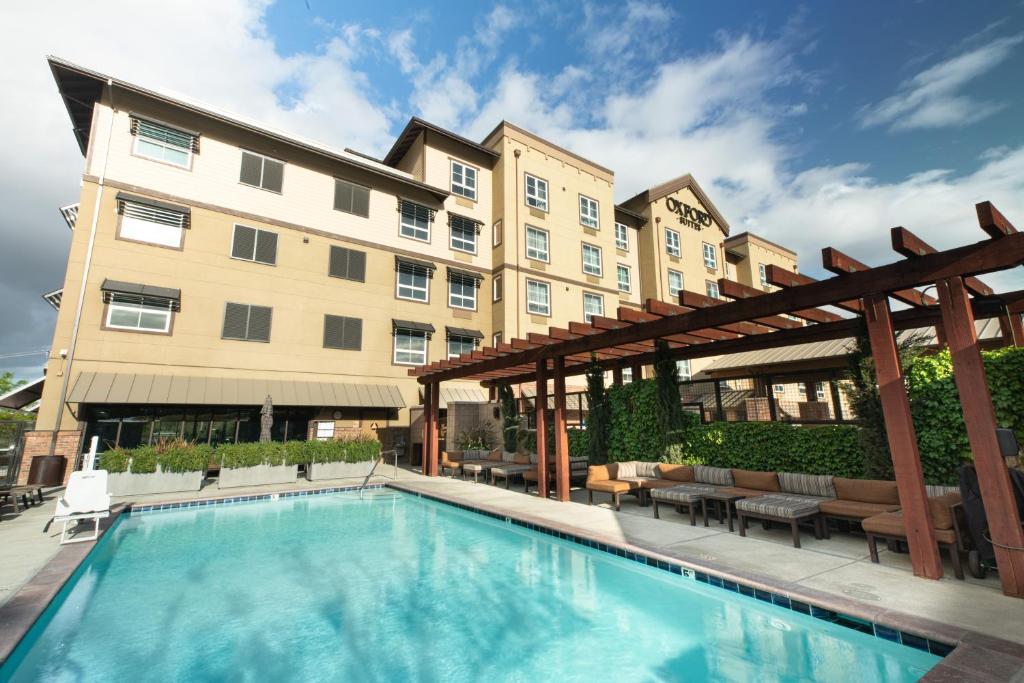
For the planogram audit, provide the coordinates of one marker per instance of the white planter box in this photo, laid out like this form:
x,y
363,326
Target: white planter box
x,y
129,484
315,471
257,476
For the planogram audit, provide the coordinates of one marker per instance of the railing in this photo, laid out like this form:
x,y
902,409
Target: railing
x,y
12,443
373,469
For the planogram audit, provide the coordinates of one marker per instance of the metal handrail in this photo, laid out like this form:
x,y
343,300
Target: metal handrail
x,y
379,460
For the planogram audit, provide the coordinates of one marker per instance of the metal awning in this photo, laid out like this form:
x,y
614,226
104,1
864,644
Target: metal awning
x,y
415,263
53,298
412,326
132,388
463,332
138,199
22,396
467,274
148,291
463,394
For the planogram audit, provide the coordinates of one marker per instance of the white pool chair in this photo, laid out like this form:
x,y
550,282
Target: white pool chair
x,y
84,498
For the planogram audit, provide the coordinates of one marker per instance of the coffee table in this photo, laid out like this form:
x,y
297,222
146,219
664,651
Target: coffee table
x,y
506,472
728,500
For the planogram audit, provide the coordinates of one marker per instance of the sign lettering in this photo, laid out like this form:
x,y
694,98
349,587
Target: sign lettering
x,y
689,216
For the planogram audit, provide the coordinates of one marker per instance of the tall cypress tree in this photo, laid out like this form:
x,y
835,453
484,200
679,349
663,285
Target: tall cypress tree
x,y
598,416
509,417
669,405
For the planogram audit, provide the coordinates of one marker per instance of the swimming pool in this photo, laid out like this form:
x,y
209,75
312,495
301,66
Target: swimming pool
x,y
395,587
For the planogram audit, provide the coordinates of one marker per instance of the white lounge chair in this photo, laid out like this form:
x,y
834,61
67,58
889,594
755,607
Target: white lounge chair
x,y
84,498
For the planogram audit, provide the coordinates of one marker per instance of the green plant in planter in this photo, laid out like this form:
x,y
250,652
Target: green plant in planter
x,y
115,461
176,455
240,455
476,438
355,449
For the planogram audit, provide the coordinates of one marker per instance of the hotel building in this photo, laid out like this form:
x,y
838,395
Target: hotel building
x,y
214,262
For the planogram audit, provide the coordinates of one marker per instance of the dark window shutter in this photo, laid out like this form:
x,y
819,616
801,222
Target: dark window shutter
x,y
244,243
259,323
343,195
361,201
252,166
353,338
338,264
348,264
357,265
266,247
343,333
273,175
236,321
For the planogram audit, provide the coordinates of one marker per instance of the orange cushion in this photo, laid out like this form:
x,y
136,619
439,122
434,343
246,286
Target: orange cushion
x,y
452,455
941,508
675,472
760,481
495,455
522,459
600,472
854,509
867,490
610,486
658,483
890,525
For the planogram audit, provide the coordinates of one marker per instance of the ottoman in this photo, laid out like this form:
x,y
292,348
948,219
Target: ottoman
x,y
688,495
788,509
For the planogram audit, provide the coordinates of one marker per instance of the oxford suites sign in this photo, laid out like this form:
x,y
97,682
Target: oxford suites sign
x,y
690,216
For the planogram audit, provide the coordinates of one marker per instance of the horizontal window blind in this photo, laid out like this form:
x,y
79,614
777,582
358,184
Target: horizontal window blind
x,y
153,214
247,322
351,198
415,212
165,134
341,332
348,264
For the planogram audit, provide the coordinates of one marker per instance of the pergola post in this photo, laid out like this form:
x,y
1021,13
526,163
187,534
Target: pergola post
x,y
980,419
435,399
425,451
617,376
542,428
1012,327
719,410
906,459
773,415
492,394
637,372
837,404
561,436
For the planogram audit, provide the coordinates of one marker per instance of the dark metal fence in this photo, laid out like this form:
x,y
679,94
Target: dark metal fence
x,y
12,443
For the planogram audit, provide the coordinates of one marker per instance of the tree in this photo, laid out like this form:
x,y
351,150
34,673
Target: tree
x,y
598,414
8,383
671,421
509,417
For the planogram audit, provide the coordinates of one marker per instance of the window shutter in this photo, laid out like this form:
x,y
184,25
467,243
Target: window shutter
x,y
252,167
361,201
357,265
244,242
259,323
351,198
273,175
348,264
236,321
266,247
344,333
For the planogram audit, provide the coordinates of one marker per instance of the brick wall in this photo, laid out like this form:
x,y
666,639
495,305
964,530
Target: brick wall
x,y
38,443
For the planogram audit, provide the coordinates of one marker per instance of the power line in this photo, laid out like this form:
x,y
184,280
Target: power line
x,y
19,354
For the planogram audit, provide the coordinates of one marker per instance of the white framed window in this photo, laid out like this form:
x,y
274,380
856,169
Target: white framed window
x,y
462,291
410,347
592,260
710,256
625,278
536,244
325,430
675,283
463,233
463,180
590,213
261,171
413,282
414,220
801,389
819,390
497,287
538,297
536,192
163,143
151,224
458,345
780,388
621,236
124,314
762,270
593,304
627,375
498,232
711,287
683,370
672,244
495,339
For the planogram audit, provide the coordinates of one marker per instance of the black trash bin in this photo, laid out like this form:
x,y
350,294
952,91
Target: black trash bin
x,y
47,470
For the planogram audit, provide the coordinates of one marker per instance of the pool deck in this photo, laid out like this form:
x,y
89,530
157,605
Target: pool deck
x,y
835,573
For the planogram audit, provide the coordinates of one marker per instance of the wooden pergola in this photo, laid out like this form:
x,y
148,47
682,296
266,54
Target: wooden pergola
x,y
698,326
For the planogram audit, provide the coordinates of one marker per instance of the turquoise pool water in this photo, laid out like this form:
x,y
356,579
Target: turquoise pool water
x,y
397,588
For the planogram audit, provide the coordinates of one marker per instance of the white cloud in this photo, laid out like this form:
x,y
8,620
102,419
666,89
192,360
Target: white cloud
x,y
934,98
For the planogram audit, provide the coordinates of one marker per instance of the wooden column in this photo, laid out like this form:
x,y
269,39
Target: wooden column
x,y
837,403
435,400
617,376
425,451
561,436
637,372
542,428
1012,328
492,393
980,419
906,459
773,411
718,401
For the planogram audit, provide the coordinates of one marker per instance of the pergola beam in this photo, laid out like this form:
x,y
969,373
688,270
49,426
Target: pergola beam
x,y
780,277
910,245
839,263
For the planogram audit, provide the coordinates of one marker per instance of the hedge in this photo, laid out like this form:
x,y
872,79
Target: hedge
x,y
633,430
578,441
171,457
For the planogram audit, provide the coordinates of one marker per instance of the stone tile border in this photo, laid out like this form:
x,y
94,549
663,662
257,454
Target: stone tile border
x,y
967,656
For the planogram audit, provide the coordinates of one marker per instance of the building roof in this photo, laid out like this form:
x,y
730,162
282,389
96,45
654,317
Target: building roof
x,y
638,201
460,394
622,212
563,150
137,388
412,130
82,88
735,240
25,395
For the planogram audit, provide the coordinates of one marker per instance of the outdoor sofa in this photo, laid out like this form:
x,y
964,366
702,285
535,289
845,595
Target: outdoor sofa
x,y
456,461
577,470
943,510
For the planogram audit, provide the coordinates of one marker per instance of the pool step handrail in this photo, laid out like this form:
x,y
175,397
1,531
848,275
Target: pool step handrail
x,y
379,460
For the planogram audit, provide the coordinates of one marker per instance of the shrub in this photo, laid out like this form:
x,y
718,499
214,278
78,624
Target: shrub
x,y
509,416
597,414
477,437
171,456
239,455
356,449
633,431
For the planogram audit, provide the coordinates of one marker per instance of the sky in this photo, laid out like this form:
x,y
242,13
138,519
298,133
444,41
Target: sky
x,y
813,125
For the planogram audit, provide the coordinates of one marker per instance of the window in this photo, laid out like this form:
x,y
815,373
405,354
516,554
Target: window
x,y
536,244
625,281
538,297
710,256
592,260
801,388
672,247
347,264
462,290
152,223
495,339
498,230
763,271
246,322
711,288
780,389
819,390
536,192
351,198
621,237
463,233
250,244
683,370
593,304
127,313
497,284
589,213
459,344
463,180
325,430
414,221
675,283
262,172
163,143
343,333
410,347
413,282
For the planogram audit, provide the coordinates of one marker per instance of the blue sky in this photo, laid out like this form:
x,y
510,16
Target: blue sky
x,y
817,124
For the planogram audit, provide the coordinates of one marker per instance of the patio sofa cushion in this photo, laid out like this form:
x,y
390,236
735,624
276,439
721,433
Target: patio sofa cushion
x,y
781,506
933,490
626,469
760,481
452,455
522,459
508,456
682,493
941,508
647,469
891,525
611,486
740,491
716,476
855,509
602,472
657,483
819,485
496,455
867,490
675,472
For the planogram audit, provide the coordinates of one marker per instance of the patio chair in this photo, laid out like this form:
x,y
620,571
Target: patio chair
x,y
942,509
85,498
